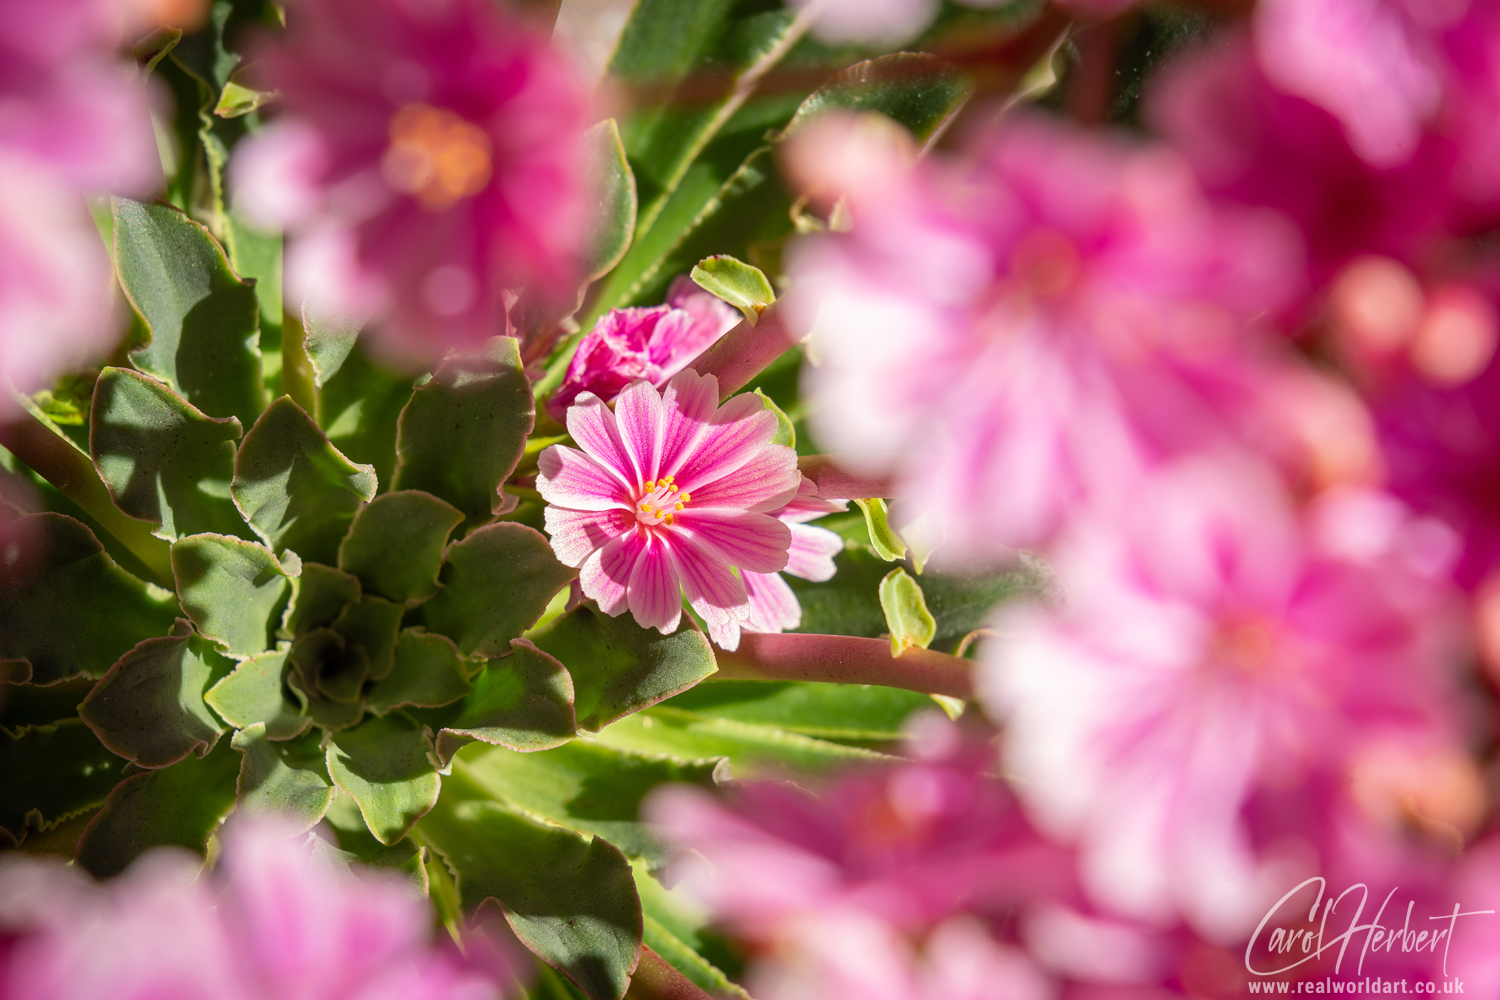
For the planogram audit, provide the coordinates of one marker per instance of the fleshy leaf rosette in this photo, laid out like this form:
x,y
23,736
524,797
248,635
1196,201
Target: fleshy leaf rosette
x,y
668,492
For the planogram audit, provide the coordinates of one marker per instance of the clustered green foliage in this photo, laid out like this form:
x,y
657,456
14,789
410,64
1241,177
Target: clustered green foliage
x,y
276,577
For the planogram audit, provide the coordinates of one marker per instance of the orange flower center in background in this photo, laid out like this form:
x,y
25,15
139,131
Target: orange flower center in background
x,y
435,156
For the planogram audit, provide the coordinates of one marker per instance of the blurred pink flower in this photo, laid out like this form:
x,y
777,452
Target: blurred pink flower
x,y
1033,326
1214,652
275,921
651,343
773,605
75,121
427,163
670,491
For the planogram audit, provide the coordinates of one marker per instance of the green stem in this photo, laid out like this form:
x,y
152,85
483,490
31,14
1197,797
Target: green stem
x,y
298,379
49,452
657,979
845,659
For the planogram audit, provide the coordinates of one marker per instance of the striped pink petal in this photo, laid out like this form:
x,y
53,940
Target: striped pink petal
x,y
594,427
689,403
706,579
655,597
641,421
605,575
739,429
812,552
569,478
773,605
577,534
756,543
763,484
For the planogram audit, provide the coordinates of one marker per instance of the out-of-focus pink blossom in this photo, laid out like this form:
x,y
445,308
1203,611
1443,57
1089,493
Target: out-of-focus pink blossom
x,y
74,122
893,22
651,343
275,921
426,164
1216,651
670,491
1016,333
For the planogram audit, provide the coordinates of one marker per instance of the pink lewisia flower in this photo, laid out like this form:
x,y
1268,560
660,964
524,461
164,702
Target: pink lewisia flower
x,y
670,491
1214,655
427,164
1019,332
653,343
277,921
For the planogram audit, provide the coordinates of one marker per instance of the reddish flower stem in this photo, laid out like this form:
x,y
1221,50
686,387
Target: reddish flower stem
x,y
843,659
745,351
837,483
657,979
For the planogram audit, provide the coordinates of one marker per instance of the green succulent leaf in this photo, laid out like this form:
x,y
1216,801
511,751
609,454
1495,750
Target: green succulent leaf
x,y
677,928
328,668
862,713
163,459
237,100
178,806
327,341
524,702
906,615
754,751
570,899
586,787
614,207
203,320
294,487
287,778
231,589
428,673
395,545
737,283
385,765
149,707
619,667
496,584
920,91
357,845
360,407
371,624
66,608
255,694
52,772
463,432
321,593
24,705
786,433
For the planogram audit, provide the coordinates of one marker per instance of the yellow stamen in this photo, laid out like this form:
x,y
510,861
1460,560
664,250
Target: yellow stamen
x,y
650,485
679,505
684,497
669,520
647,508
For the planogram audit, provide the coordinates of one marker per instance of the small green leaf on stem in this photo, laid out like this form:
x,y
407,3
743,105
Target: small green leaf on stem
x,y
883,538
906,615
785,433
737,283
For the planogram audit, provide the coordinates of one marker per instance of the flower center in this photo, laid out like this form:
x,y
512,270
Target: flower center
x,y
660,502
435,156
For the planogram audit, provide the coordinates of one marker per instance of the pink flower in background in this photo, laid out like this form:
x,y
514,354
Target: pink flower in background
x,y
75,122
670,491
651,343
427,163
276,921
773,605
1032,327
1214,653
